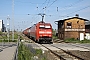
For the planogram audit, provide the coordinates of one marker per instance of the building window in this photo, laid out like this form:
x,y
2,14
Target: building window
x,y
69,25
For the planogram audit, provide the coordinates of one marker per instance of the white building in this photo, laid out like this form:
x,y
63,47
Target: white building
x,y
1,25
2,28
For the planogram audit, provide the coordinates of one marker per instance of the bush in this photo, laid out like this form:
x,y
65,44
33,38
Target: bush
x,y
24,53
85,41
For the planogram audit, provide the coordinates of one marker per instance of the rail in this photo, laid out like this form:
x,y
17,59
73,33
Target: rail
x,y
53,52
60,56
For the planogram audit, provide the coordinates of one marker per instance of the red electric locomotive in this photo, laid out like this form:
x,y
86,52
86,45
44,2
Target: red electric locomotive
x,y
41,32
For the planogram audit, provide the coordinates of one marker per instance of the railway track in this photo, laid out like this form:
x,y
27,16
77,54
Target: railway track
x,y
58,41
62,54
81,47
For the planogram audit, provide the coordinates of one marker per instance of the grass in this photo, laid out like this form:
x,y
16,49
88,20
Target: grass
x,y
54,34
24,53
72,40
54,37
4,37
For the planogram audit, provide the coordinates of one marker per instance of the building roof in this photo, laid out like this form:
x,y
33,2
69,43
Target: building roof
x,y
71,18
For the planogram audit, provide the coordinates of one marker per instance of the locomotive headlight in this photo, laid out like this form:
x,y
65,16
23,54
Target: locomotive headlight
x,y
40,35
41,32
48,32
49,35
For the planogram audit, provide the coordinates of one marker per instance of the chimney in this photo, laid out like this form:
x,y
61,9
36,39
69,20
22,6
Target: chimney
x,y
77,15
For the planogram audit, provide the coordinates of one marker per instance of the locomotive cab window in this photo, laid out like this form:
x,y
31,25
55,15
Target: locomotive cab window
x,y
69,25
44,26
47,27
41,26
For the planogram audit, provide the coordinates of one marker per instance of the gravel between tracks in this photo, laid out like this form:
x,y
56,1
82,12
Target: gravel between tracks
x,y
82,54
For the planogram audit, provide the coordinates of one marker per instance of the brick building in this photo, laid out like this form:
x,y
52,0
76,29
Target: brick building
x,y
71,28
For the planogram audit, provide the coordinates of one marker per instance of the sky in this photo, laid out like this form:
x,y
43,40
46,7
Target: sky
x,y
24,13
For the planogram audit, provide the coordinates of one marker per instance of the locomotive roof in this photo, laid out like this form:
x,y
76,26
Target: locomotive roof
x,y
43,22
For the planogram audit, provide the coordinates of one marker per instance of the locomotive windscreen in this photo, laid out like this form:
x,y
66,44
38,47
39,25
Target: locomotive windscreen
x,y
44,27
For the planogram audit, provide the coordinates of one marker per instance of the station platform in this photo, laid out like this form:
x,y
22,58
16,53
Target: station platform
x,y
7,52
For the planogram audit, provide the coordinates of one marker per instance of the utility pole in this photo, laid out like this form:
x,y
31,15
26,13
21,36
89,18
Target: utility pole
x,y
8,27
12,19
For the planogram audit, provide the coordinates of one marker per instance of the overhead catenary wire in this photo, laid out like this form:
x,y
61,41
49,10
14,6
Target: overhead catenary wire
x,y
38,7
44,3
74,3
44,7
58,9
28,2
34,17
77,10
47,4
51,3
65,7
48,1
70,5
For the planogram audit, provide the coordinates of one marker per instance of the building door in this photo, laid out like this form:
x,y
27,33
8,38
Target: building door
x,y
81,36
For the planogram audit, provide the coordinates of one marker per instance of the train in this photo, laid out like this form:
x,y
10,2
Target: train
x,y
27,32
40,32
